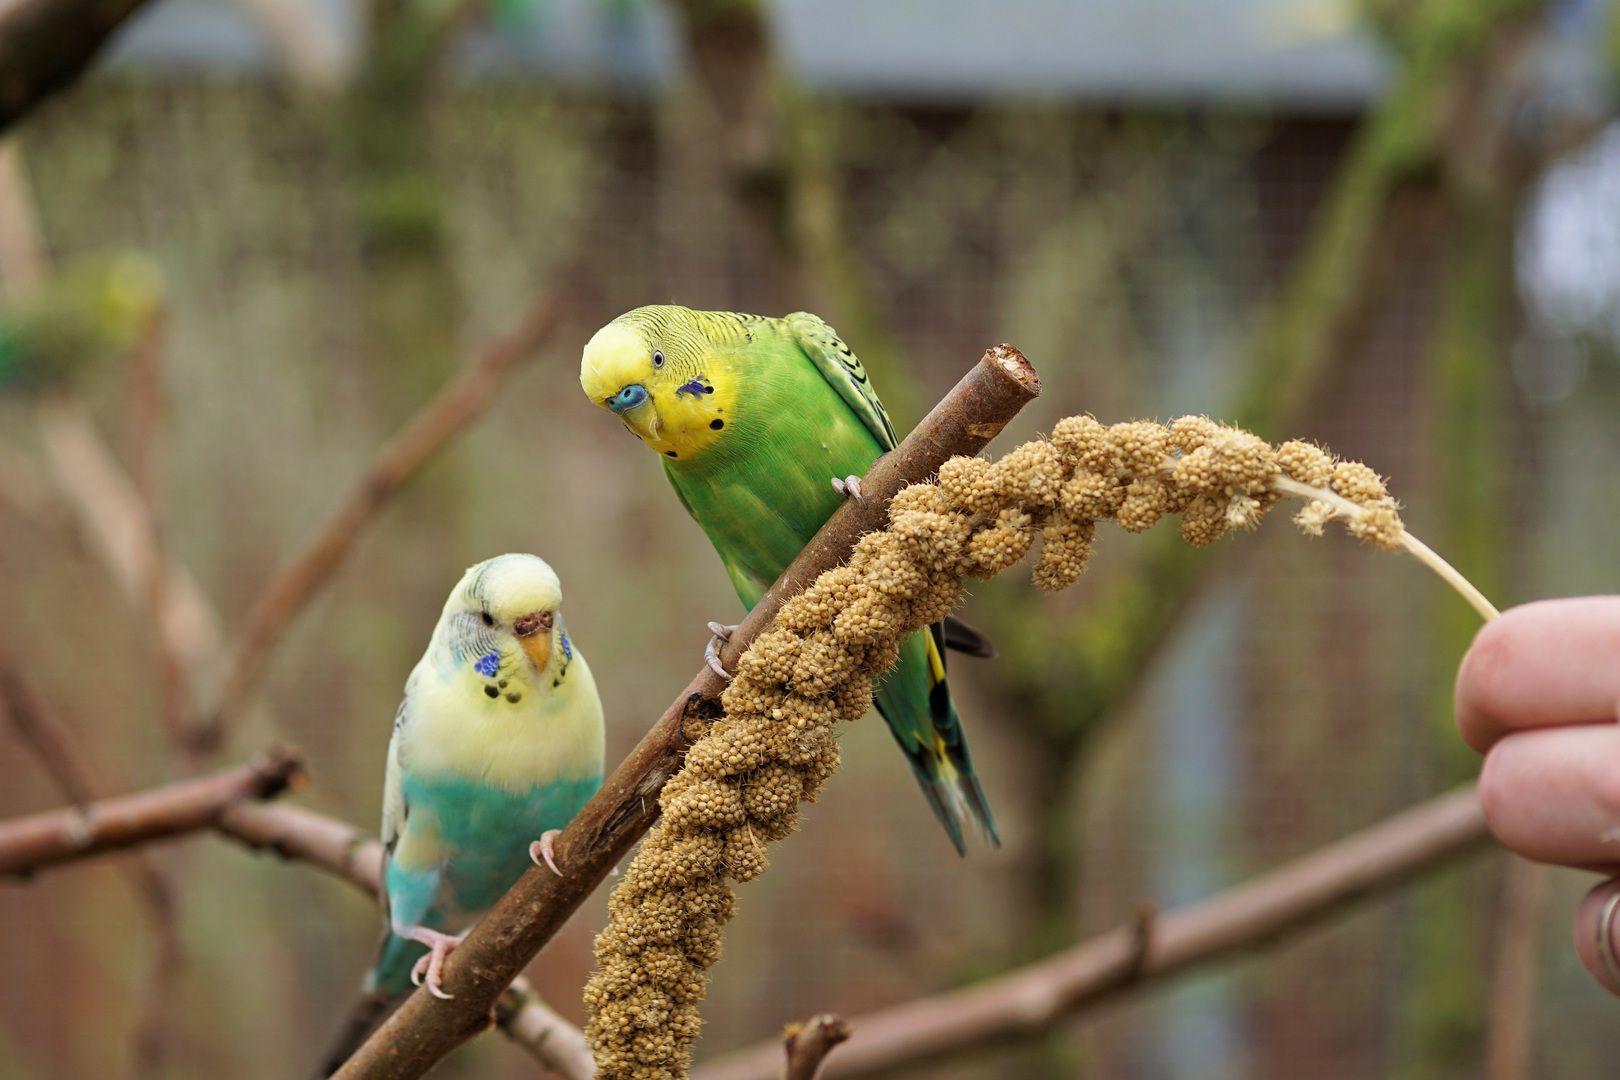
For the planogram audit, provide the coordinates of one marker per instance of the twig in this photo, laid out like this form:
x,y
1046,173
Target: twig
x,y
49,743
456,405
343,851
807,1045
111,511
150,430
33,843
301,835
46,44
1250,916
424,1029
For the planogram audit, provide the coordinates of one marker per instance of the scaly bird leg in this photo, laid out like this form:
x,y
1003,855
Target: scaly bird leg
x,y
430,968
542,852
850,488
711,652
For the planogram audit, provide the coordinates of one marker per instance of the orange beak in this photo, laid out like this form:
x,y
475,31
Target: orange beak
x,y
534,634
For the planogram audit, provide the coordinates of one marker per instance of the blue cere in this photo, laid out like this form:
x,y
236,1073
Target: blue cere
x,y
488,664
567,648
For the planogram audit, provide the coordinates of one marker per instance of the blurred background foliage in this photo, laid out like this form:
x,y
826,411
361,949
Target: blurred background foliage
x,y
1387,227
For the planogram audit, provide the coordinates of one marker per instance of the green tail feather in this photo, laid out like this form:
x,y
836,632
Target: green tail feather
x,y
935,746
392,972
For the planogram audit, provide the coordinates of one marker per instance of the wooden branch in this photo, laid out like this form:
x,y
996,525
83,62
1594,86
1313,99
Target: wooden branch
x,y
46,44
425,1029
457,404
30,844
807,1045
301,835
1138,956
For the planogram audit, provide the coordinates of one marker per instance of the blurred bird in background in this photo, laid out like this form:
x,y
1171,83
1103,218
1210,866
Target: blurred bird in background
x,y
93,311
765,426
498,741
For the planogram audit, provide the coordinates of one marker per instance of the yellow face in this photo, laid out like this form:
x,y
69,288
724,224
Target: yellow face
x,y
660,376
506,609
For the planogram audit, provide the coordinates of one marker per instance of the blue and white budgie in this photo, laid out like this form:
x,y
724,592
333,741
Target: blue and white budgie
x,y
498,741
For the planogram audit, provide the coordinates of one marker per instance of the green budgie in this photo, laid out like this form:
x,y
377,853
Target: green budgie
x,y
498,741
93,311
753,417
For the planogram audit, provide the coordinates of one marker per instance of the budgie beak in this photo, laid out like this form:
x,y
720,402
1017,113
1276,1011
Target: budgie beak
x,y
634,405
628,398
534,635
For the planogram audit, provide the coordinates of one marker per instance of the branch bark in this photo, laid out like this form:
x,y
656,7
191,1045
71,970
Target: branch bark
x,y
424,1029
1149,951
46,44
33,843
458,404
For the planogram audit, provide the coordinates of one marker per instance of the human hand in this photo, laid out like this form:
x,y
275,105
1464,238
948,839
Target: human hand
x,y
1539,695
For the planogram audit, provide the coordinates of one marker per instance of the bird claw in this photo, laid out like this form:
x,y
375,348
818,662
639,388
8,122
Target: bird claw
x,y
429,969
542,852
850,488
711,652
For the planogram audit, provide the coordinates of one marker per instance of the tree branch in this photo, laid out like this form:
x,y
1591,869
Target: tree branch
x,y
1152,949
424,1029
807,1045
46,44
30,844
457,404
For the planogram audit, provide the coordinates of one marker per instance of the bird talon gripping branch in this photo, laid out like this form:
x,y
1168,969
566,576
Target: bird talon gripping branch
x,y
543,852
850,488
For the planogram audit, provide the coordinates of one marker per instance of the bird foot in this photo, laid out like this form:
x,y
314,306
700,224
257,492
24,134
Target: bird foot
x,y
850,488
542,852
429,970
711,652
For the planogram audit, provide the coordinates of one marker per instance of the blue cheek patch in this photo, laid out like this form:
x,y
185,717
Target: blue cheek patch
x,y
695,388
567,648
488,664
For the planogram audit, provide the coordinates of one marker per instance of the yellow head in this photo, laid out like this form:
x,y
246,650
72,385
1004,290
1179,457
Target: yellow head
x,y
504,621
666,372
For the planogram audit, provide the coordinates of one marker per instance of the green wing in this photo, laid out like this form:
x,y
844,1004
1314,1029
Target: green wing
x,y
843,371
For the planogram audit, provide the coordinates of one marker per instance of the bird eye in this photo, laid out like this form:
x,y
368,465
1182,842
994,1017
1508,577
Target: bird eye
x,y
658,358
489,620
